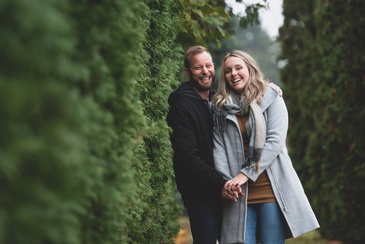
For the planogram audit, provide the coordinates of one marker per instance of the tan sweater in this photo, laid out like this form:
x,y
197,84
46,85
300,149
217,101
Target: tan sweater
x,y
259,191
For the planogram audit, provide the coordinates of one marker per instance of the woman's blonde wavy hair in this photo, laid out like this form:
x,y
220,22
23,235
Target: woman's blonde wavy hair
x,y
254,88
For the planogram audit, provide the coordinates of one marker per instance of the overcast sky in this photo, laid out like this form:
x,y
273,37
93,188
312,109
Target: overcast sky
x,y
271,19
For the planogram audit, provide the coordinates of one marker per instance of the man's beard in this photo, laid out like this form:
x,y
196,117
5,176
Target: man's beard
x,y
201,87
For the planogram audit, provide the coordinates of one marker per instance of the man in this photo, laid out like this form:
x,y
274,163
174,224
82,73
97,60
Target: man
x,y
201,187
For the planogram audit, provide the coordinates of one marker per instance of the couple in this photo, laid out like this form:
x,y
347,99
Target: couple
x,y
230,159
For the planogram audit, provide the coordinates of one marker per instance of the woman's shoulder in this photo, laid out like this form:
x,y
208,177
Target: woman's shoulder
x,y
270,95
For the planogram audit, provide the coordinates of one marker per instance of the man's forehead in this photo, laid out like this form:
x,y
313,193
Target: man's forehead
x,y
202,58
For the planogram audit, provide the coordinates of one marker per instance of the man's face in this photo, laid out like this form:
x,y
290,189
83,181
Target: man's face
x,y
201,71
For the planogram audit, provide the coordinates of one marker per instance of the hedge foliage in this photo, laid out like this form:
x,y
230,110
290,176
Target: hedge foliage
x,y
81,158
42,141
324,88
84,149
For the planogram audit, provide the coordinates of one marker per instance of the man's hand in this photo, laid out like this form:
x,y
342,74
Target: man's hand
x,y
231,194
232,190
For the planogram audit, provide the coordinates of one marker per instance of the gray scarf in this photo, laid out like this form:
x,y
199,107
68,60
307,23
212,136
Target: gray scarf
x,y
256,133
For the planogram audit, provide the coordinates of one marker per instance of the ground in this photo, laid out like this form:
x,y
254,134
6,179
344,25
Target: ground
x,y
184,236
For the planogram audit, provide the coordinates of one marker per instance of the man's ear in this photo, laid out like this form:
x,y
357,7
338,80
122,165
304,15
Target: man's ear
x,y
186,72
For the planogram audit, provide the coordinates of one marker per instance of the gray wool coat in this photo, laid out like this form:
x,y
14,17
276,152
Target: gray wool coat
x,y
288,190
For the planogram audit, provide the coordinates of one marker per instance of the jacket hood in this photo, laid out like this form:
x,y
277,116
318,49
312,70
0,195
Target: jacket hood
x,y
185,89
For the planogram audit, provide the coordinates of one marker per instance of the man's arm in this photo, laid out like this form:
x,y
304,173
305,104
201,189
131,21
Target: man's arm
x,y
185,143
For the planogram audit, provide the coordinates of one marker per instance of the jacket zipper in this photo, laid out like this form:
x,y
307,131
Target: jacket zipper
x,y
285,208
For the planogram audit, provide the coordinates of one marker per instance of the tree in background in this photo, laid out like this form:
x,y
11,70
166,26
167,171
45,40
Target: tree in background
x,y
324,86
253,40
206,21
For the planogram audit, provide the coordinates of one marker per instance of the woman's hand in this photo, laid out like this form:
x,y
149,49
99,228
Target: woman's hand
x,y
232,189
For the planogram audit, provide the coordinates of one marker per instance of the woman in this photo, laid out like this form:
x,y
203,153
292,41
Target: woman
x,y
250,127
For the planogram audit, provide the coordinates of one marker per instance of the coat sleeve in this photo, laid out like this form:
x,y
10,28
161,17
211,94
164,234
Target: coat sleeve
x,y
276,119
184,140
220,155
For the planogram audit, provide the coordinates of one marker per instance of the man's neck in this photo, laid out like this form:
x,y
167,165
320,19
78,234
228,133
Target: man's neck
x,y
204,94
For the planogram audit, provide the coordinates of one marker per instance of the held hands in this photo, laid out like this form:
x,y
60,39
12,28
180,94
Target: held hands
x,y
232,189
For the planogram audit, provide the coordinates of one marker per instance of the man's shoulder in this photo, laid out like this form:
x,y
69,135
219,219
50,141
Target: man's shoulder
x,y
185,105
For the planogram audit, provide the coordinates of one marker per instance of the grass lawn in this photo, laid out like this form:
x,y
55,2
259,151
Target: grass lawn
x,y
309,238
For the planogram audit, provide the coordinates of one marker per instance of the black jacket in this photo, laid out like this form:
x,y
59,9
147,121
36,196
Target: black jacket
x,y
192,141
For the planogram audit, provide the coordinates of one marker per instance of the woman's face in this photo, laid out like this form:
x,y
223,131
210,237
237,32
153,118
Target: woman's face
x,y
236,74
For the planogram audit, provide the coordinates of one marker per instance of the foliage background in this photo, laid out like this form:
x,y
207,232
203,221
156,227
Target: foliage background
x,y
84,149
324,83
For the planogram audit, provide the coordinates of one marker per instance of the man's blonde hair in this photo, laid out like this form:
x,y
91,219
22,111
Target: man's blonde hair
x,y
192,51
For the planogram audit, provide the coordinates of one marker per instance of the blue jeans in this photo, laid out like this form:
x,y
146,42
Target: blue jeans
x,y
266,223
205,223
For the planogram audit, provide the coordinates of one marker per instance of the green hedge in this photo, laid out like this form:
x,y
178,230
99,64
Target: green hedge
x,y
84,149
324,87
162,57
109,34
41,142
81,137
